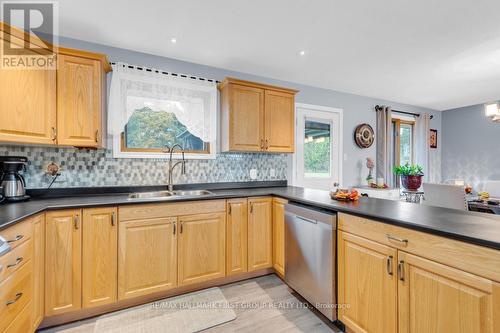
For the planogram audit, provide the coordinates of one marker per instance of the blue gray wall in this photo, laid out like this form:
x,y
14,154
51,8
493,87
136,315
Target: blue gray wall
x,y
471,146
357,109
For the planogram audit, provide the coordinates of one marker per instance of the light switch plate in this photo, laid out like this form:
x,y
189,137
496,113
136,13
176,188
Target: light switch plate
x,y
253,174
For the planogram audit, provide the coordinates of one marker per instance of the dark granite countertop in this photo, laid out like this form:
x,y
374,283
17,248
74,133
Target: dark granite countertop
x,y
471,227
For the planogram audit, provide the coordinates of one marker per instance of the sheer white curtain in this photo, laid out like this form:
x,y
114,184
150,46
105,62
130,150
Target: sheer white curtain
x,y
385,145
422,144
194,102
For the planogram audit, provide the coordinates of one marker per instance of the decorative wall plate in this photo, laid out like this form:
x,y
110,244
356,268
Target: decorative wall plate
x,y
364,135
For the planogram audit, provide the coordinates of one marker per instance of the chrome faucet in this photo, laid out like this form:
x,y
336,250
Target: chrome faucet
x,y
171,166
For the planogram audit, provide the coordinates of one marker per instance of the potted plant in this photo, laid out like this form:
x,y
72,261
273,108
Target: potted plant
x,y
411,176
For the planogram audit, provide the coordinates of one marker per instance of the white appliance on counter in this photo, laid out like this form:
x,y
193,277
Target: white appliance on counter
x,y
379,193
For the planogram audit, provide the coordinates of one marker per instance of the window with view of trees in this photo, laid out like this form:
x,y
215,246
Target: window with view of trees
x,y
153,130
403,142
317,149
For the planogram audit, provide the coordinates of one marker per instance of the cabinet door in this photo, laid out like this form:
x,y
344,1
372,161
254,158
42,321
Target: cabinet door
x,y
63,252
100,256
367,283
246,118
202,245
147,259
260,231
27,105
437,298
279,235
38,269
236,232
279,121
79,90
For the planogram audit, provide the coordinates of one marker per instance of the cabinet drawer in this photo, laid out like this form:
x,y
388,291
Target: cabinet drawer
x,y
18,233
471,258
23,322
13,260
15,293
152,211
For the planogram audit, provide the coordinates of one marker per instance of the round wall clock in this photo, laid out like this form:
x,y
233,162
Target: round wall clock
x,y
364,135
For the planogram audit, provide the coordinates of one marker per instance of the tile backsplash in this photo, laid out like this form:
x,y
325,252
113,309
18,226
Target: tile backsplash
x,y
92,168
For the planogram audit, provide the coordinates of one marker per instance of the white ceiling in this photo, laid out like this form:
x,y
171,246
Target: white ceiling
x,y
439,54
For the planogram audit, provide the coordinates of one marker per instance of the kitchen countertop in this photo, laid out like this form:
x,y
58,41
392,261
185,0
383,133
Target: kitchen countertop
x,y
471,227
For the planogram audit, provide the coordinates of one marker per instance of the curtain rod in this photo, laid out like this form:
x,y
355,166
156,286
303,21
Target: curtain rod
x,y
402,112
147,69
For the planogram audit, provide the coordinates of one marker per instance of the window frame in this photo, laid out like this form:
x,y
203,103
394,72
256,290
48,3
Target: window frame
x,y
396,127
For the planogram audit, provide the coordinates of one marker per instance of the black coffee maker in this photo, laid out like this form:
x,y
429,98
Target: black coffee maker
x,y
12,181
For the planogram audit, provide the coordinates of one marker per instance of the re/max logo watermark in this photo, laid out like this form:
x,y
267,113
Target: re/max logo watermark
x,y
29,35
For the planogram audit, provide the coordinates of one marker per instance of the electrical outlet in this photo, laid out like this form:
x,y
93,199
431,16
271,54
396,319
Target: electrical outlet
x,y
253,174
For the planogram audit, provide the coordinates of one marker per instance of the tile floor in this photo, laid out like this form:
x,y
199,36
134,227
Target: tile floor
x,y
263,304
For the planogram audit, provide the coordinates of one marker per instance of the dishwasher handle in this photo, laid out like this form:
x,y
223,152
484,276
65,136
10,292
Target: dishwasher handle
x,y
306,219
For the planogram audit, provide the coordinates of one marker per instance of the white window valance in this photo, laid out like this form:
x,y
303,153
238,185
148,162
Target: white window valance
x,y
194,102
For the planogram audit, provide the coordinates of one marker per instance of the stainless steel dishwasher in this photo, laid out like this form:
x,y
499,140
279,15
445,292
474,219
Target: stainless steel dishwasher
x,y
310,260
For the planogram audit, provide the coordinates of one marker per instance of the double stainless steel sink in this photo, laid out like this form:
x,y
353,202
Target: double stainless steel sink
x,y
165,195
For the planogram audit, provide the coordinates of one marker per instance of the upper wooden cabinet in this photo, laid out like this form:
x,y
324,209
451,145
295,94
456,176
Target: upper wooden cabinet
x,y
55,107
80,97
256,117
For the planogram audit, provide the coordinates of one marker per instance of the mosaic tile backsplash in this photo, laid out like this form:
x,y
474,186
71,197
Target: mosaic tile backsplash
x,y
93,168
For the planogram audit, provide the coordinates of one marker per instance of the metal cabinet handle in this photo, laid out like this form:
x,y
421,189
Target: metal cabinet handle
x,y
175,227
18,296
389,265
17,238
396,239
96,135
76,221
401,270
262,144
113,219
182,227
54,134
18,261
267,145
229,208
251,208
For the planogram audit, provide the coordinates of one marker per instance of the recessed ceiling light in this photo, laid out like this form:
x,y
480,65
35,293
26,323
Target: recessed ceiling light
x,y
302,53
173,40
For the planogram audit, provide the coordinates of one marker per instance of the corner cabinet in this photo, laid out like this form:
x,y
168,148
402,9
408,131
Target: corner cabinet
x,y
256,117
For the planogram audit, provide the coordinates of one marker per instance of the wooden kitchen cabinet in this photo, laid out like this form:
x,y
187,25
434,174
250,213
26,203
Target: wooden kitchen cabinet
x,y
367,283
260,233
27,102
236,234
80,96
435,298
279,235
63,267
202,247
99,256
256,117
38,270
147,259
279,121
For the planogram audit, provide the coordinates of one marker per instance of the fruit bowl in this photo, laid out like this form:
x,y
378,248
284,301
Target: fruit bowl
x,y
344,195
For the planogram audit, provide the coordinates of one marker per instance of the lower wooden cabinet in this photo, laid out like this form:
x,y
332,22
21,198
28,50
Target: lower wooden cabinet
x,y
99,256
260,231
63,269
279,235
38,270
436,298
367,285
147,259
236,236
202,247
